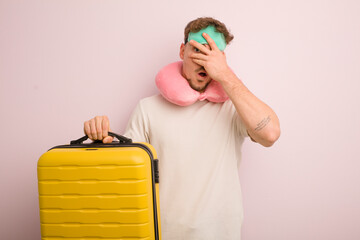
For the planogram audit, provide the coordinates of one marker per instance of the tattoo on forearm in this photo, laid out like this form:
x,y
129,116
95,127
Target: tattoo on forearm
x,y
263,123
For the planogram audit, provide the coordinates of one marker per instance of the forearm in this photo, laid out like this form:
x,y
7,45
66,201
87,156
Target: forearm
x,y
260,120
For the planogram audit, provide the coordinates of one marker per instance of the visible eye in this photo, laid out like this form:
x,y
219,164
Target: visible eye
x,y
196,49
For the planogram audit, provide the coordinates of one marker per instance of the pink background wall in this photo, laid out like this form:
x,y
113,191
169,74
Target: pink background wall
x,y
63,62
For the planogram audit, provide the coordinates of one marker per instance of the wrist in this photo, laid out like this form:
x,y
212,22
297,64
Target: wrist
x,y
233,85
224,75
228,77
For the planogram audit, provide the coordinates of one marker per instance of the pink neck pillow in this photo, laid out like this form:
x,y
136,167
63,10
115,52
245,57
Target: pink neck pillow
x,y
176,89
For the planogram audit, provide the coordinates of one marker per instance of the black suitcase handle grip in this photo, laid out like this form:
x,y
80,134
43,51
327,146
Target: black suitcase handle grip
x,y
121,139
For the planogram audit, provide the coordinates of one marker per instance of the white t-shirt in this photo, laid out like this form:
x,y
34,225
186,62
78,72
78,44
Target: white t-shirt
x,y
199,151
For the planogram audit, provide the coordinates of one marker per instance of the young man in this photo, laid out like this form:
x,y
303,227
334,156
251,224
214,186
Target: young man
x,y
199,143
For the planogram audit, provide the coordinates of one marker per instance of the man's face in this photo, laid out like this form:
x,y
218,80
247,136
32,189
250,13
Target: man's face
x,y
194,73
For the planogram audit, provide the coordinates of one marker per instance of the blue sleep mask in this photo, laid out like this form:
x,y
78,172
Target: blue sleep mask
x,y
218,37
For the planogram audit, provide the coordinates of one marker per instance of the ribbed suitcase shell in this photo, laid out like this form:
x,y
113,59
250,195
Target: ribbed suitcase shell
x,y
99,191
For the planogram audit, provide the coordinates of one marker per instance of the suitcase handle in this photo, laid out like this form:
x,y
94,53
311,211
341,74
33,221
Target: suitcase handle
x,y
121,139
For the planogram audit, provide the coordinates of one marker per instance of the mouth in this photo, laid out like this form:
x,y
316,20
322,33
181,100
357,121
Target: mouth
x,y
202,74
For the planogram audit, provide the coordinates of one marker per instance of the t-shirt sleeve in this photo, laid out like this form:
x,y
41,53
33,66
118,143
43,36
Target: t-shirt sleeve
x,y
240,126
137,128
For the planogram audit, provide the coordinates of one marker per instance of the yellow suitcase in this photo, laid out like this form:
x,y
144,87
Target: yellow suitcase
x,y
99,191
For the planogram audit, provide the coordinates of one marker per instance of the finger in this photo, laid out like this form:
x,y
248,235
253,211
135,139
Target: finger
x,y
98,122
211,42
105,126
199,56
108,139
87,129
200,62
199,46
93,130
